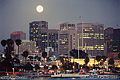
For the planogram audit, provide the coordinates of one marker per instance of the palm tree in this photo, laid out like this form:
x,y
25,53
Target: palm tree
x,y
54,67
25,54
30,57
10,42
18,42
103,59
7,63
86,60
44,55
16,60
98,58
3,43
37,67
111,61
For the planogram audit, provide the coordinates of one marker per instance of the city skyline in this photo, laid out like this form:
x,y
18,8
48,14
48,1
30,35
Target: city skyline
x,y
16,15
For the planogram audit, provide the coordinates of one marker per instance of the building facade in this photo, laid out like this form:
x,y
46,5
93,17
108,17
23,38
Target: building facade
x,y
114,42
108,38
28,45
43,36
67,38
35,29
18,35
108,35
91,38
48,38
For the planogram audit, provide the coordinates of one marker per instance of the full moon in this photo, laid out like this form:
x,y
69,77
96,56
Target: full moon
x,y
39,8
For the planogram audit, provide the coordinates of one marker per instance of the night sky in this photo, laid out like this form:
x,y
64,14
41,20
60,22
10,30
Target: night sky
x,y
15,15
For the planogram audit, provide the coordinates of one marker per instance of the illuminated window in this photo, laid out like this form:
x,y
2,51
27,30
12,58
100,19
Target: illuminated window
x,y
91,34
87,30
43,41
34,39
33,24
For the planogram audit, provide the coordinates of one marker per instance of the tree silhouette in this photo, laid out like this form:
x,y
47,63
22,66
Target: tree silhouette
x,y
16,60
111,61
31,57
7,64
61,59
10,42
98,58
25,54
45,67
37,67
3,43
104,58
28,66
44,54
86,60
18,42
54,67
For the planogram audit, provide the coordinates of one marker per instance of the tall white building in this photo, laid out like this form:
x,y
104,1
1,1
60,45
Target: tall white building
x,y
67,38
26,45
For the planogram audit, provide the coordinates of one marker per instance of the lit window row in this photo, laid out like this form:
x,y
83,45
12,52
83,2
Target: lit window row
x,y
44,35
86,37
44,41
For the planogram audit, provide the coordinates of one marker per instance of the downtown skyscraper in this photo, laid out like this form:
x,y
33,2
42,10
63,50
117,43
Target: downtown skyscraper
x,y
114,44
91,38
67,38
18,35
44,37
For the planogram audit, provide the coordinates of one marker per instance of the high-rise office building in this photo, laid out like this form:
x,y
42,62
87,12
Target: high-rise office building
x,y
52,39
108,35
114,45
116,36
43,36
108,38
67,38
91,38
35,31
18,35
48,38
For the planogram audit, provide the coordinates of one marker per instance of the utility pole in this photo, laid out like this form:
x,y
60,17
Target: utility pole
x,y
78,51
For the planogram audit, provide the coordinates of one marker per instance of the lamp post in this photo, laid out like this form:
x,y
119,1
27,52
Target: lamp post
x,y
82,36
78,52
